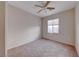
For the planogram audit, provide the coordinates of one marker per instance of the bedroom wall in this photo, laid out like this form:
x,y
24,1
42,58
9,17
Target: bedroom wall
x,y
77,27
2,29
66,27
21,27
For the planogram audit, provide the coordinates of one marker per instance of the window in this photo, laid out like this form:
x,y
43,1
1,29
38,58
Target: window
x,y
53,26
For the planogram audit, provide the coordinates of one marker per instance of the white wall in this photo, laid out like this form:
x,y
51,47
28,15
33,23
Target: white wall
x,y
77,27
66,27
22,27
2,29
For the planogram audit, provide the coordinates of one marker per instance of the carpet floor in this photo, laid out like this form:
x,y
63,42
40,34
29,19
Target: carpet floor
x,y
42,48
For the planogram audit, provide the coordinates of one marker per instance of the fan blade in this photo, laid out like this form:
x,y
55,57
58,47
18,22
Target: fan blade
x,y
38,6
39,10
46,3
50,8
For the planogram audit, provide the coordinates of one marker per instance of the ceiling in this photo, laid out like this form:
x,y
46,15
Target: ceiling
x,y
29,7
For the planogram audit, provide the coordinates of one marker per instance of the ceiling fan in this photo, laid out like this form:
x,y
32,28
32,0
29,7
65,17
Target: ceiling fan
x,y
44,6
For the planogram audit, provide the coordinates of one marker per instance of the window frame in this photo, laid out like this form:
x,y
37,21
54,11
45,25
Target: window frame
x,y
53,32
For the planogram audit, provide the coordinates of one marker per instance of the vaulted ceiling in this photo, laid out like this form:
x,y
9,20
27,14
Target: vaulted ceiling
x,y
29,7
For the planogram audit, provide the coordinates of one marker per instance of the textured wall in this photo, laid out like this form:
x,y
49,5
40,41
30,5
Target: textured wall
x,y
66,27
22,27
77,27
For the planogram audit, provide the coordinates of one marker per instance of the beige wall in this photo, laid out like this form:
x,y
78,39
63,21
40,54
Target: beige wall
x,y
22,27
2,29
66,27
77,27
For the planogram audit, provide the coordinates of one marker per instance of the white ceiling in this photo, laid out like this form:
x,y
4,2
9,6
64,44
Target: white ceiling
x,y
29,7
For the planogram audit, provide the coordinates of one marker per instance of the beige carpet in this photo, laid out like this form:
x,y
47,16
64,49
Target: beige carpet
x,y
42,48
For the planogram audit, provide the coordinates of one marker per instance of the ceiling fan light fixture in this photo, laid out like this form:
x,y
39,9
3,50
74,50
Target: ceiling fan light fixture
x,y
44,7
